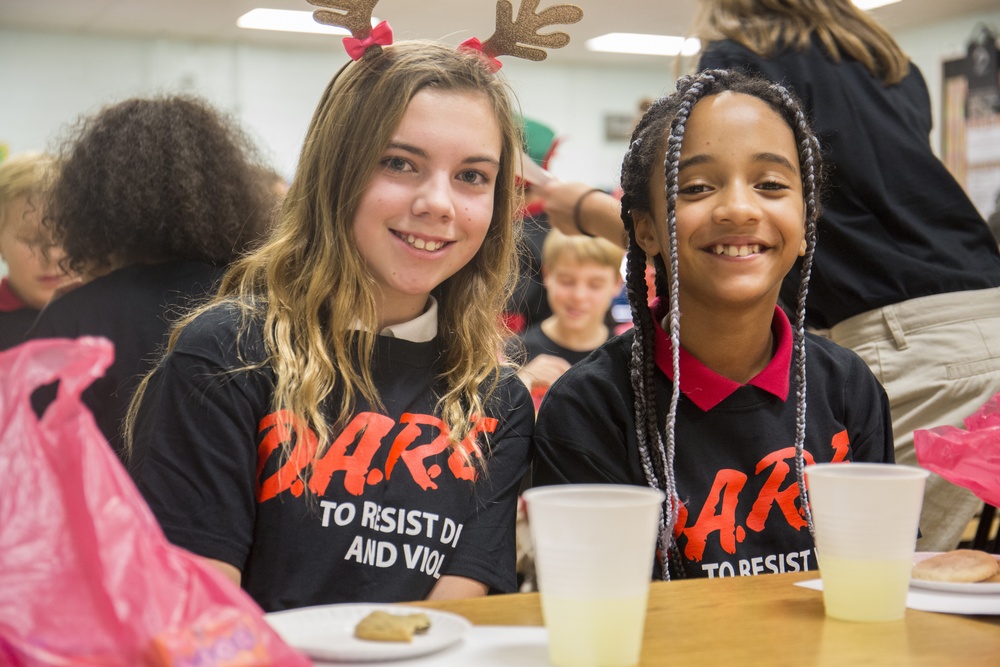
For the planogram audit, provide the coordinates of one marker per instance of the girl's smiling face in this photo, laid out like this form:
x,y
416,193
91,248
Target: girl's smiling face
x,y
740,206
425,212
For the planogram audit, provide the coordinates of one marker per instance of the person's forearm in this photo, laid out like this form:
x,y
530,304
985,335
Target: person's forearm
x,y
578,208
453,588
600,215
231,572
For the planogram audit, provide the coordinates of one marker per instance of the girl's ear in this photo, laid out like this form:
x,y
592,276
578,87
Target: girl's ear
x,y
805,230
645,232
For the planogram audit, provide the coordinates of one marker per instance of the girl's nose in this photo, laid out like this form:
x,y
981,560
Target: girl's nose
x,y
435,198
738,206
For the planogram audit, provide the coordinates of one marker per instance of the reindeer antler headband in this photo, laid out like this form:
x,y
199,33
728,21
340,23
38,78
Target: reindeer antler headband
x,y
511,38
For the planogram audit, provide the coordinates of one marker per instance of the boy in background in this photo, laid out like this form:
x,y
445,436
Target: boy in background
x,y
581,276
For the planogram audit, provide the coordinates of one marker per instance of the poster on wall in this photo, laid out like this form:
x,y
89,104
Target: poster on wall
x,y
971,131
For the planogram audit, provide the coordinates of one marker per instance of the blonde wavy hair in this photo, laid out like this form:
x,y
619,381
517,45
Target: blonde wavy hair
x,y
580,248
27,174
308,284
766,26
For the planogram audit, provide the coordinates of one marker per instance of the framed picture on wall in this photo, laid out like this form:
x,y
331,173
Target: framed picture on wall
x,y
970,139
618,126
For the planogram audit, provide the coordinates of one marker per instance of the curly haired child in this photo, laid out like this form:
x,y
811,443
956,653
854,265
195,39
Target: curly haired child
x,y
153,198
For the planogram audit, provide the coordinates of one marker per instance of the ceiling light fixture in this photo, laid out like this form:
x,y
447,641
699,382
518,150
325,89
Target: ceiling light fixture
x,y
872,4
288,20
654,45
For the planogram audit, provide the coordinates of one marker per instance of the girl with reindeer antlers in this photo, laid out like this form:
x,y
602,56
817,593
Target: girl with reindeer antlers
x,y
335,424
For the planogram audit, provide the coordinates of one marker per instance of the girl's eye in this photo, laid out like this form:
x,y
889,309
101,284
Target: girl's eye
x,y
473,177
694,189
772,185
395,163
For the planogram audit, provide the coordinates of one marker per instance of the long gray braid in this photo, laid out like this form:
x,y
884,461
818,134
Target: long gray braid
x,y
669,115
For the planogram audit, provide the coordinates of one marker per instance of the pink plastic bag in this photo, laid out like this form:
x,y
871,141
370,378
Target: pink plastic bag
x,y
86,575
969,458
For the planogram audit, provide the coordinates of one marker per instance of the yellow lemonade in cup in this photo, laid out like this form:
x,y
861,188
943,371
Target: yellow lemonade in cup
x,y
865,590
865,517
594,633
594,547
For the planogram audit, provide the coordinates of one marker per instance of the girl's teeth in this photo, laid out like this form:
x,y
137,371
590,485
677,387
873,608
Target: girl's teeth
x,y
736,250
420,244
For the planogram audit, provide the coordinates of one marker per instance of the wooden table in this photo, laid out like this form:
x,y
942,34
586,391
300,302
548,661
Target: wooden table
x,y
766,620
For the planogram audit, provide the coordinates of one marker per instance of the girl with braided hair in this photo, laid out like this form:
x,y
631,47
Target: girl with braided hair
x,y
706,396
906,273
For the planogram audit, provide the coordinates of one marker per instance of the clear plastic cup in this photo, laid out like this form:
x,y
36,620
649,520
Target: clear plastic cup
x,y
866,517
594,547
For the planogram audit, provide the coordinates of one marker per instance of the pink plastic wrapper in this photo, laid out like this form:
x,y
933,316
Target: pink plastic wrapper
x,y
969,458
86,575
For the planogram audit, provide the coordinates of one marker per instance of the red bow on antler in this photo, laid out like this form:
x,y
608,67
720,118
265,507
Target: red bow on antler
x,y
473,44
380,34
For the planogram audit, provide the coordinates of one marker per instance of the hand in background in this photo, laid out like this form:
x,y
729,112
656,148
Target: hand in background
x,y
541,372
580,208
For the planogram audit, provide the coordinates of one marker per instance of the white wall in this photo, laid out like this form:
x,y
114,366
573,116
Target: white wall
x,y
49,79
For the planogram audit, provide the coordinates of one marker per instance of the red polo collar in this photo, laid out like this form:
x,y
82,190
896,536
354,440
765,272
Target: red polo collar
x,y
8,300
705,387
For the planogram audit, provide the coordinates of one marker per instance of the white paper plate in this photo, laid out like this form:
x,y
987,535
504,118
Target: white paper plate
x,y
949,587
327,632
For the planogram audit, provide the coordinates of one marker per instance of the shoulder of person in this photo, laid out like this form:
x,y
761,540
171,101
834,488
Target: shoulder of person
x,y
725,54
138,281
724,47
585,430
511,393
788,65
532,333
596,380
860,393
531,330
835,360
66,313
225,330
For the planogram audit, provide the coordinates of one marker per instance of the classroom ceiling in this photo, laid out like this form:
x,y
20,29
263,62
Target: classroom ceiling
x,y
448,20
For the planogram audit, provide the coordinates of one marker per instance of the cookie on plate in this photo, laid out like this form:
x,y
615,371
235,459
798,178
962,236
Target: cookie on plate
x,y
381,626
958,566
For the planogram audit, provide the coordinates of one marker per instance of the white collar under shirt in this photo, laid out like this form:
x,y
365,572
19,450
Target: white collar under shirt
x,y
421,329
